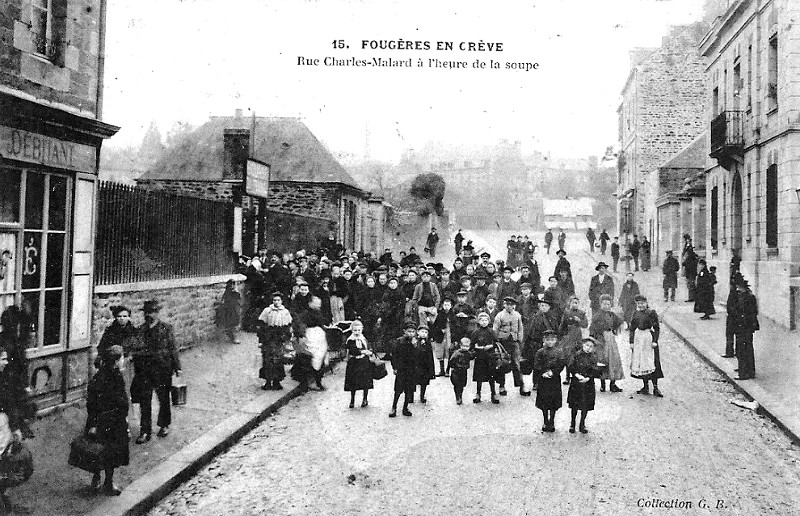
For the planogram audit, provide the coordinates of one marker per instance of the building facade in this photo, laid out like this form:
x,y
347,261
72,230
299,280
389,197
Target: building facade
x,y
753,186
662,111
51,97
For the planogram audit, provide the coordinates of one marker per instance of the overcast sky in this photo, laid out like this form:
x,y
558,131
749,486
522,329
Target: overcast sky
x,y
171,60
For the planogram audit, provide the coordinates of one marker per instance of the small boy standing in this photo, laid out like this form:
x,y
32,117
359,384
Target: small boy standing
x,y
459,363
403,364
423,361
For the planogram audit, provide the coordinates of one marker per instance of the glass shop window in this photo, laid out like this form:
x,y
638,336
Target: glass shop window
x,y
34,251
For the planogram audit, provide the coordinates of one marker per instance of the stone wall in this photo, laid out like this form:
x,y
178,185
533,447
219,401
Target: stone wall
x,y
212,190
189,305
68,77
319,200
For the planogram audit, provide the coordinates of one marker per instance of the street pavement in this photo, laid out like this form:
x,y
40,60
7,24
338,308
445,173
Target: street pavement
x,y
691,449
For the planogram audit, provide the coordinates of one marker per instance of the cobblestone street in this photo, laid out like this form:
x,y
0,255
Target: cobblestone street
x,y
693,449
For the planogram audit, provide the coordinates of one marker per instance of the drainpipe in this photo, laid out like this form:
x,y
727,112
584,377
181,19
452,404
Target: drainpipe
x,y
101,60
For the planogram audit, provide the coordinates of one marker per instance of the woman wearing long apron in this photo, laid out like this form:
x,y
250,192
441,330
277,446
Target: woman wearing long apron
x,y
645,356
604,328
570,329
547,365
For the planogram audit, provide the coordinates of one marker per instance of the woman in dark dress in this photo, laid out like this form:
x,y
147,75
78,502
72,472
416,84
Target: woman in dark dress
x,y
358,375
604,328
547,365
423,357
107,408
704,291
483,344
274,330
392,311
369,301
11,404
645,355
581,395
627,297
570,330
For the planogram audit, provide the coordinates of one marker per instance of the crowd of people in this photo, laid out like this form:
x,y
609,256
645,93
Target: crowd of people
x,y
493,317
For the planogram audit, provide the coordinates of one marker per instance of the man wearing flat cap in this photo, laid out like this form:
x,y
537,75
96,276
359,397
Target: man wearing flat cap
x,y
154,364
601,284
508,329
431,242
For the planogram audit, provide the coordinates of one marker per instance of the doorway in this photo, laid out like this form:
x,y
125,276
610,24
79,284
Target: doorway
x,y
736,213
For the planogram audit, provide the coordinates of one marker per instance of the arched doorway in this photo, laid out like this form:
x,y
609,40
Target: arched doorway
x,y
736,213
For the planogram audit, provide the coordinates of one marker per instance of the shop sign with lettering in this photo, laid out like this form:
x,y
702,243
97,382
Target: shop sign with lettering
x,y
256,181
30,147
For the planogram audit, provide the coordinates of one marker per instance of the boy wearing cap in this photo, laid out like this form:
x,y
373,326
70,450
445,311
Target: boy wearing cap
x,y
527,303
462,315
547,365
440,334
508,329
543,321
507,287
404,366
426,297
423,362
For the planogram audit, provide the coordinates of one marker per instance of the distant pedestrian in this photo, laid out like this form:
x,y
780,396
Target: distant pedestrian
x,y
746,324
590,236
627,297
615,252
605,325
562,239
358,374
583,368
604,238
107,421
154,365
547,366
670,269
458,366
690,272
704,291
229,311
274,331
645,355
730,317
548,240
431,242
404,366
635,248
458,240
645,254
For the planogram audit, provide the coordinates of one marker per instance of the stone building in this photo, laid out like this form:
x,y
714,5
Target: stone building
x,y
305,191
662,111
51,98
753,185
680,200
569,214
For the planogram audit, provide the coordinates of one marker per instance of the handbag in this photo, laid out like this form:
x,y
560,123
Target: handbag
x,y
378,369
525,366
86,453
502,359
16,465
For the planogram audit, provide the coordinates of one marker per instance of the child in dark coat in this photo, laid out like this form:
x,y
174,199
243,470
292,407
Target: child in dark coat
x,y
423,360
483,344
459,363
404,366
581,395
547,365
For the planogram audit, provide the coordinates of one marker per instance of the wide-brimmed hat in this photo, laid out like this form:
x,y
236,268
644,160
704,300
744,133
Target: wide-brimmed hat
x,y
601,264
561,252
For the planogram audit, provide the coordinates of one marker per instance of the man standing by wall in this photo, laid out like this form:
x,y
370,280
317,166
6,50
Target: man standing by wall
x,y
615,252
670,269
745,325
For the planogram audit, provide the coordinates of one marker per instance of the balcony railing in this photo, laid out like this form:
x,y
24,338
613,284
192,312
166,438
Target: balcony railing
x,y
727,137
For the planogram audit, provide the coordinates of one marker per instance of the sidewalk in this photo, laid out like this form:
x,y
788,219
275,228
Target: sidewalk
x,y
224,401
776,386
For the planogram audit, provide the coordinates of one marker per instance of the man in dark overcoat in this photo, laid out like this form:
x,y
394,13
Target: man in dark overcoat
x,y
154,364
600,284
603,242
745,325
670,268
690,271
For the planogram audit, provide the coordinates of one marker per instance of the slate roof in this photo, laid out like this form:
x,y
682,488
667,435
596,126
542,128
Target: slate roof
x,y
286,144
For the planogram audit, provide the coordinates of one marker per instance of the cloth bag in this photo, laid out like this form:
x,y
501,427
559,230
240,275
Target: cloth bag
x,y
86,453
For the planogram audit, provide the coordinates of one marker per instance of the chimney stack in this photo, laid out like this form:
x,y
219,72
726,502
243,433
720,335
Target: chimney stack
x,y
236,150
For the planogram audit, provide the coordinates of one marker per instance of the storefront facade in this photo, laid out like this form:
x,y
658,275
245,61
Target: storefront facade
x,y
50,139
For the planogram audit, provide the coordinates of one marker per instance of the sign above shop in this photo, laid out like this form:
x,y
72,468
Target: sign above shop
x,y
36,148
256,179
